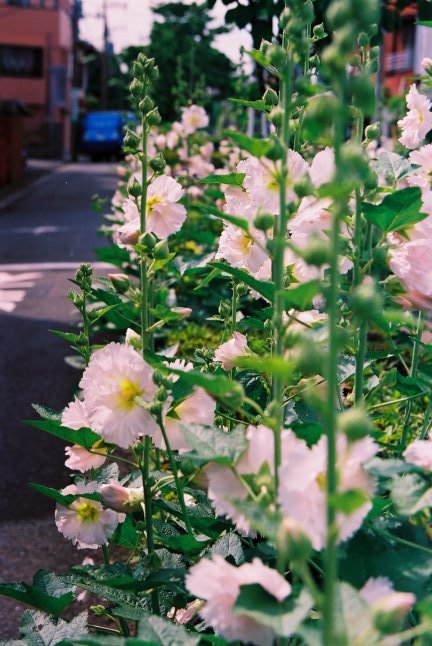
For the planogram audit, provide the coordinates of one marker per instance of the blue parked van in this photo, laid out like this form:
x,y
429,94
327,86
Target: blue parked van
x,y
102,134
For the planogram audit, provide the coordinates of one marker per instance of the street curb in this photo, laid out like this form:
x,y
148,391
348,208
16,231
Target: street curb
x,y
22,191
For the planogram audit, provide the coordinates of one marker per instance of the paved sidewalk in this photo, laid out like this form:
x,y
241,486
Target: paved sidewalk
x,y
35,170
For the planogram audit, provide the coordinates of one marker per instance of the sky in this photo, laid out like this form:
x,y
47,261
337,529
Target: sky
x,y
129,22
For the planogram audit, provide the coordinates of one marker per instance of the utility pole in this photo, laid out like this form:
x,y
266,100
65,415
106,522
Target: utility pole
x,y
75,16
104,59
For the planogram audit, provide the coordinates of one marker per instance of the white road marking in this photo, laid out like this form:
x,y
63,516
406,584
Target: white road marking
x,y
9,295
53,266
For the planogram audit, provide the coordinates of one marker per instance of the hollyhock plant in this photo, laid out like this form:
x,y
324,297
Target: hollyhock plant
x,y
228,352
79,459
85,522
193,118
115,376
418,120
218,583
120,498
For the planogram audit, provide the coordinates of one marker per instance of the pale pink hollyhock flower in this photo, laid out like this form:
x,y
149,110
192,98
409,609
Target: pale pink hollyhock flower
x,y
85,522
115,376
120,498
381,597
223,484
423,158
207,150
193,117
302,494
172,139
164,216
242,249
199,167
84,594
322,167
238,202
195,192
427,64
261,183
229,351
218,583
418,120
419,453
185,615
161,141
75,415
411,262
184,312
198,408
79,459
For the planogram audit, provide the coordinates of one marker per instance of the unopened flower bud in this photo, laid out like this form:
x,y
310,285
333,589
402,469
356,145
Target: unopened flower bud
x,y
308,358
183,312
284,18
307,11
303,186
264,222
153,117
292,542
130,139
373,66
373,131
277,55
319,32
142,58
270,97
389,611
427,65
314,61
276,116
120,498
137,69
353,161
158,163
136,88
187,467
316,252
120,282
134,188
161,250
146,104
363,39
264,47
99,610
366,301
275,150
355,423
148,240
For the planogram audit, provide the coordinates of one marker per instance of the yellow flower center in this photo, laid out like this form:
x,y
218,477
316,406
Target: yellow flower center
x,y
245,242
321,481
128,391
152,201
88,512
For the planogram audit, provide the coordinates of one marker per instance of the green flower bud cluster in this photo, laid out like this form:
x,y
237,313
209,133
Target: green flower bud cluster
x,y
83,278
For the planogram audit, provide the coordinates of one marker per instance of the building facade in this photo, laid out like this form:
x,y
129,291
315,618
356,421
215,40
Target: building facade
x,y
36,55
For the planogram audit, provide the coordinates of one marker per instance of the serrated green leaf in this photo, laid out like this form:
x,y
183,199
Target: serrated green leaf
x,y
161,632
282,617
84,437
228,545
398,210
256,105
48,592
273,365
411,493
253,145
41,629
61,498
300,297
265,288
392,166
232,179
211,444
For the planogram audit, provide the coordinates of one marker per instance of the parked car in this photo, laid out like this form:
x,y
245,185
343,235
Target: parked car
x,y
102,134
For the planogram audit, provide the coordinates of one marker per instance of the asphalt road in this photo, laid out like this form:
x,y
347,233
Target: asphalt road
x,y
44,235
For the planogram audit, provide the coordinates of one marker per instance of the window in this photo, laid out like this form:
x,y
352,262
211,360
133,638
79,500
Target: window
x,y
19,3
21,61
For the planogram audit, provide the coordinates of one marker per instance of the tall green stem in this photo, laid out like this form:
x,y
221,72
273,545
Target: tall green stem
x,y
413,373
178,483
332,294
278,265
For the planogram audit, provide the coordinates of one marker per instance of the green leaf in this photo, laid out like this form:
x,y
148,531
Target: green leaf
x,y
349,501
392,166
397,211
228,392
300,296
84,437
98,313
41,629
48,592
273,365
282,617
211,444
256,105
265,288
411,493
121,597
424,23
253,145
61,498
47,413
228,545
67,336
161,632
261,519
126,534
232,179
184,543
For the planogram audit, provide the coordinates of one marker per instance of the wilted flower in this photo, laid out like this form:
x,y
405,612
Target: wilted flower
x,y
218,583
115,376
418,120
79,459
302,492
85,522
193,117
229,351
